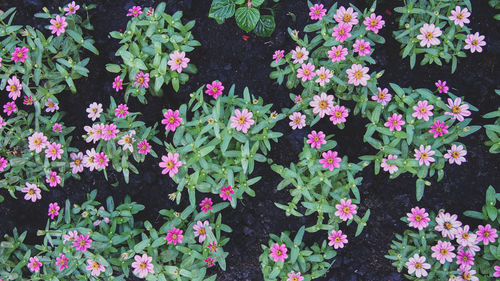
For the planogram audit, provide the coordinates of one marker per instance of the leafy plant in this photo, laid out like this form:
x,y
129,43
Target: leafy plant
x,y
493,130
495,4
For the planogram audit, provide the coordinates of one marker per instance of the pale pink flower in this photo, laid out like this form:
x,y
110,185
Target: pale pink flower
x,y
57,127
465,259
32,191
82,243
14,87
316,139
171,120
278,55
474,42
417,265
174,236
467,274
3,164
429,34
20,54
322,104
395,122
464,238
486,234
423,110
34,265
53,151
443,251
142,265
362,47
101,161
458,110
206,204
424,155
134,11
51,105
178,61
298,99
347,16
200,230
297,120
127,141
215,89
357,74
497,271
299,55
341,32
460,16
94,111
391,168
210,261
110,131
170,164
71,236
374,23
330,160
58,25
9,108
447,224
441,85
72,8
89,159
306,72
278,252
292,276
345,210
242,120
53,210
142,80
338,53
439,128
418,218
225,193
383,96
77,164
62,262
317,12
37,142
324,76
337,239
143,147
338,114
118,83
53,179
94,267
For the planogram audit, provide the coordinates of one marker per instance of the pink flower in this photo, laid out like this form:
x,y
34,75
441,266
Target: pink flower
x,y
423,110
141,80
14,87
178,61
306,72
317,12
429,35
53,179
225,193
72,8
486,234
171,120
292,276
278,252
53,210
447,224
174,236
94,267
341,32
28,100
57,128
134,11
34,265
51,105
338,114
338,53
118,83
497,271
443,251
298,99
374,23
53,151
150,12
121,111
278,55
418,218
474,42
439,128
345,210
77,164
382,96
464,238
330,160
337,239
58,24
346,16
20,54
109,132
362,47
32,191
143,266
200,230
441,85
322,104
242,120
423,155
2,122
170,164
465,259
101,161
357,74
9,108
215,89
299,55
62,260
395,122
3,164
209,261
212,247
206,204
316,139
324,76
467,274
82,243
37,142
458,111
127,141
460,16
391,168
417,265
94,110
298,120
143,147
71,236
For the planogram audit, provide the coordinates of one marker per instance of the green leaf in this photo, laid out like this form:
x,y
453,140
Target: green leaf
x,y
420,189
265,26
222,9
247,18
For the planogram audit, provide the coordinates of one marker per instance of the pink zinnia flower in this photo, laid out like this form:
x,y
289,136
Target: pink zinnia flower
x,y
441,85
362,47
118,83
121,111
330,160
53,151
346,16
150,12
486,234
141,80
53,179
374,23
497,271
417,265
225,193
306,72
9,108
357,74
53,210
345,210
32,191
174,236
101,160
51,105
338,114
316,139
338,53
447,224
57,25
460,16
278,55
143,147
429,35
71,236
109,132
467,274
72,8
443,251
215,89
212,247
337,239
3,164
324,76
14,87
200,230
206,204
474,42
134,11
292,276
57,128
299,55
242,120
127,141
62,260
34,265
82,243
424,155
418,218
171,120
464,238
20,54
465,258
458,110
77,164
297,120
439,128
94,267
395,122
317,12
37,142
94,111
28,100
389,167
170,164
298,99
178,61
341,32
278,252
383,96
2,122
143,266
322,104
423,110
209,261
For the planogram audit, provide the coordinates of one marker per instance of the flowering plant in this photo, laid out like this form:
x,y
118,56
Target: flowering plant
x,y
438,30
247,13
118,136
154,47
216,149
493,130
417,133
445,249
95,242
333,62
40,66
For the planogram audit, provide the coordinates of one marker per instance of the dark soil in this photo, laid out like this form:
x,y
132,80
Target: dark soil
x,y
225,56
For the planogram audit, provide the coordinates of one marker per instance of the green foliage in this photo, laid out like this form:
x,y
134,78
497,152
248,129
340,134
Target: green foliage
x,y
493,130
495,4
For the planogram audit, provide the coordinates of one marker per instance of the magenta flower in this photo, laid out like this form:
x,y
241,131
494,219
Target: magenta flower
x,y
447,224
374,23
341,32
200,230
51,105
20,54
306,72
143,147
418,218
2,122
464,238
212,247
460,16
345,210
209,262
330,160
395,122
34,265
441,85
178,61
82,243
57,128
174,236
72,8
134,11
474,42
322,104
242,120
278,252
324,76
424,155
439,128
338,114
57,25
171,120
278,55
423,110
37,142
458,110
53,210
486,234
297,120
53,179
170,164
362,47
383,96
28,100
118,83
337,239
142,265
141,80
299,55
53,151
94,267
32,191
346,16
215,89
391,168
206,204
338,53
225,193
3,164
429,34
109,132
357,74
443,251
417,265
150,12
317,12
62,260
316,139
465,258
101,161
292,276
121,111
497,271
14,87
9,108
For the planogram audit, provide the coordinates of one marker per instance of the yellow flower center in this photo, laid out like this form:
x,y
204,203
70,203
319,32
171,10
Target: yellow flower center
x,y
460,16
373,22
202,231
358,74
19,54
170,164
381,95
174,236
456,109
242,120
322,76
299,55
474,42
444,252
424,155
346,209
447,225
31,191
323,104
127,139
278,252
171,119
341,31
140,80
178,61
78,161
12,88
429,35
347,18
465,235
361,47
95,265
53,151
317,12
57,24
37,141
338,113
418,217
316,139
337,239
142,265
418,265
296,121
307,71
